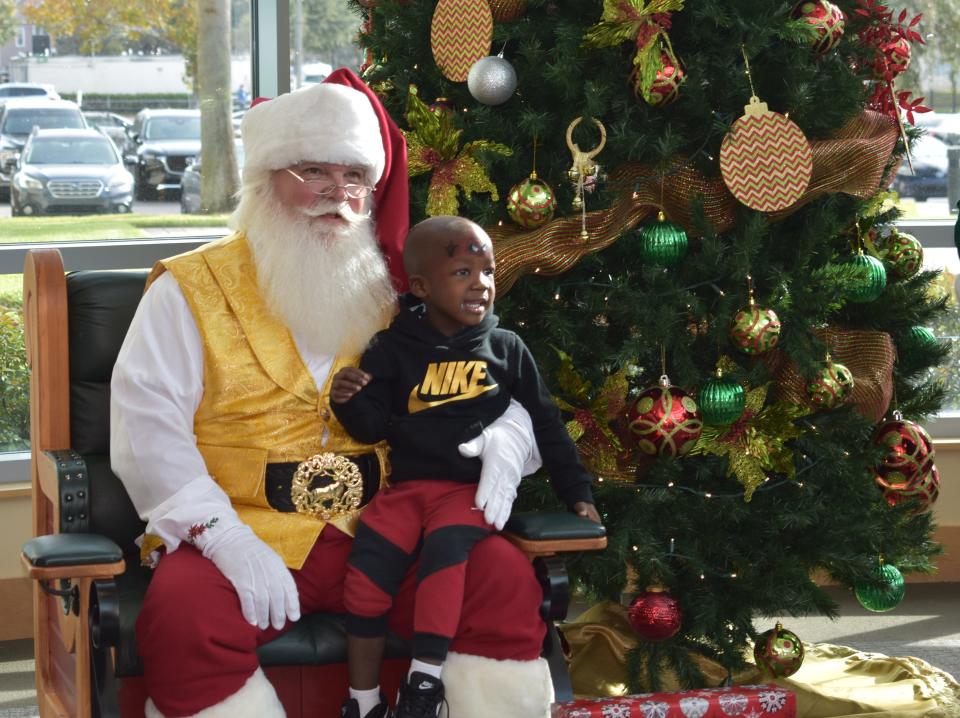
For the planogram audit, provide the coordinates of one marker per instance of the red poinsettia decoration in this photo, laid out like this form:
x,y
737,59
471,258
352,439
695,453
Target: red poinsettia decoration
x,y
890,42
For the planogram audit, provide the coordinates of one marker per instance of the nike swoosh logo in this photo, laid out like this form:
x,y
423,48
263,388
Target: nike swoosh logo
x,y
415,403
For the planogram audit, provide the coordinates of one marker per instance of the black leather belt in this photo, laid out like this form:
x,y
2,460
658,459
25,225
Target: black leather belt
x,y
279,478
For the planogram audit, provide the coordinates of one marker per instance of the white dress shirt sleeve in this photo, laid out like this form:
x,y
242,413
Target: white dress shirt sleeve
x,y
156,388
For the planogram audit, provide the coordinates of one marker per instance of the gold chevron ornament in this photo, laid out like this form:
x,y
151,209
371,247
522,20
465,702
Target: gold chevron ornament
x,y
460,34
765,159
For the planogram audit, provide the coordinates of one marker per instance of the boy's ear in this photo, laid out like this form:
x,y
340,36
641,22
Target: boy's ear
x,y
418,286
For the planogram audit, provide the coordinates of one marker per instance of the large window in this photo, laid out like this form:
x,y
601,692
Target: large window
x,y
276,45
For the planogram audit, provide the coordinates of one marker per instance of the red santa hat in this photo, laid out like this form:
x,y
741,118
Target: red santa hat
x,y
342,121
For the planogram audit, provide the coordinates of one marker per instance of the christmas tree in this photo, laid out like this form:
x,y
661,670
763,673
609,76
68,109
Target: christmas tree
x,y
694,236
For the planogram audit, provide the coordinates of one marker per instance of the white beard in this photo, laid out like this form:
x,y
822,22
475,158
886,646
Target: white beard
x,y
330,286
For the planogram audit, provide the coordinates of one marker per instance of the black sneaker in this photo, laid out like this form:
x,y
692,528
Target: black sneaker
x,y
421,696
351,709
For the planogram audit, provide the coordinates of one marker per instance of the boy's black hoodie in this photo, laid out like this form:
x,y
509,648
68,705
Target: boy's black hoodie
x,y
429,393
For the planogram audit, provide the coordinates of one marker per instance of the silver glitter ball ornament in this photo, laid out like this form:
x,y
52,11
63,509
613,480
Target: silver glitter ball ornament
x,y
492,80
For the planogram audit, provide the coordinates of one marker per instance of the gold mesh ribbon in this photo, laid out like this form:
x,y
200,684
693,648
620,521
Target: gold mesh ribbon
x,y
851,162
868,355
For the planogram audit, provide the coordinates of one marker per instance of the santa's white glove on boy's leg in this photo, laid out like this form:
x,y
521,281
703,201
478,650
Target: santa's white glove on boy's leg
x,y
509,452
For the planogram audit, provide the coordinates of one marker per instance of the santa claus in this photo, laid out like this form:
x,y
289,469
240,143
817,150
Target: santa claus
x,y
220,403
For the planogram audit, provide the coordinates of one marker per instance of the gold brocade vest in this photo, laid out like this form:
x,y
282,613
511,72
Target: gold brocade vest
x,y
260,403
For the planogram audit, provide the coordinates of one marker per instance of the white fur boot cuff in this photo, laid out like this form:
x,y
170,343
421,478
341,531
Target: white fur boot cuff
x,y
479,687
256,699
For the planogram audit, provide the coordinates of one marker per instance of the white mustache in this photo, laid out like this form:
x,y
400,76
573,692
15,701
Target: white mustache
x,y
342,209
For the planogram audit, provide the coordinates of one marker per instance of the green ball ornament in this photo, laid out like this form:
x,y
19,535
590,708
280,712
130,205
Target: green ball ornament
x,y
531,203
662,243
755,330
721,401
902,254
831,387
778,652
914,343
871,279
883,597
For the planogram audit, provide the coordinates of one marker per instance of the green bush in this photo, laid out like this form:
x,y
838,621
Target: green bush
x,y
14,378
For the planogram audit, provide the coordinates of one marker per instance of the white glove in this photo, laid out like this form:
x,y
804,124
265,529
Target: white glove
x,y
268,594
508,451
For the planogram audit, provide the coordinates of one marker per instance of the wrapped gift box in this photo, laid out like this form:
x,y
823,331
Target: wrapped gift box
x,y
764,701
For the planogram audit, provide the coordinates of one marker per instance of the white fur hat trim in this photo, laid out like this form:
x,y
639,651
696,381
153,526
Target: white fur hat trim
x,y
327,122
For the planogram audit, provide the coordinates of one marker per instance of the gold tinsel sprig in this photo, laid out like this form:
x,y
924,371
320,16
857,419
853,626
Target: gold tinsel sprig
x,y
433,145
757,442
593,412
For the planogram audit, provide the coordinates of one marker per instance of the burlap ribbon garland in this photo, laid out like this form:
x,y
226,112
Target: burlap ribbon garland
x,y
869,355
852,162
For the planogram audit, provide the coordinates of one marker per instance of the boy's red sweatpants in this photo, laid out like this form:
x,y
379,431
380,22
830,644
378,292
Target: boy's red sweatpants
x,y
435,521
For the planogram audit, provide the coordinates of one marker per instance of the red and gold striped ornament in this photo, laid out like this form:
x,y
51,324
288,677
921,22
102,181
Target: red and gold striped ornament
x,y
778,652
664,420
908,454
831,387
461,34
902,253
765,159
826,17
755,330
531,203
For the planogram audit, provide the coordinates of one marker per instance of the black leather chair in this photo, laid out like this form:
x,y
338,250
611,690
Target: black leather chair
x,y
89,584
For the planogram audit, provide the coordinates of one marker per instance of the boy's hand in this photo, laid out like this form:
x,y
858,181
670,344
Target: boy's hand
x,y
582,508
346,383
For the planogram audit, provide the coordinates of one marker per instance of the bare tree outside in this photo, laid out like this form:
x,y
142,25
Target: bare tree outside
x,y
218,178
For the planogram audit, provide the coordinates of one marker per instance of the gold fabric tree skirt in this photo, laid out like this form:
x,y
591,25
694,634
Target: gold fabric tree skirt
x,y
834,681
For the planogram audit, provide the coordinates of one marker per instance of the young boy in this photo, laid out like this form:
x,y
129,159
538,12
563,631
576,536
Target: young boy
x,y
430,382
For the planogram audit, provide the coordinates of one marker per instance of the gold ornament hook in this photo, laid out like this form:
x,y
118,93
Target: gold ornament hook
x,y
583,167
583,161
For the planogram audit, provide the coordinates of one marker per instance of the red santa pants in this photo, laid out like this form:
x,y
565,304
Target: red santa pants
x,y
433,520
197,649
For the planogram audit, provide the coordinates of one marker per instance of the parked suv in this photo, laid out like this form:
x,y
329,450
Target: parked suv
x,y
26,89
19,116
111,124
68,172
159,146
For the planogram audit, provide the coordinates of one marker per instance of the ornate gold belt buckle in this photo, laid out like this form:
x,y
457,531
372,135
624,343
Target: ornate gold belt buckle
x,y
340,488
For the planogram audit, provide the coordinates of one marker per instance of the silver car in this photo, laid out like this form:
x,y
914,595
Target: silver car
x,y
190,183
70,172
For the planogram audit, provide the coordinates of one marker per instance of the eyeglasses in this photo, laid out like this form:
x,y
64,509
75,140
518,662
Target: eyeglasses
x,y
325,188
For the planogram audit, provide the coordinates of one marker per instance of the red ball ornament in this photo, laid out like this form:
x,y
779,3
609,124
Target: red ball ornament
x,y
826,17
655,615
908,454
896,53
666,85
664,420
